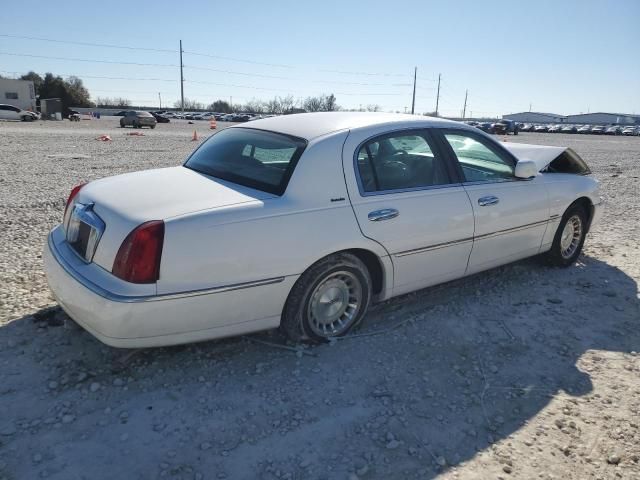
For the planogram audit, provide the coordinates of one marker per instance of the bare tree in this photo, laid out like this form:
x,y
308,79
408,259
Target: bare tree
x,y
286,103
373,108
116,102
272,106
190,104
255,106
314,104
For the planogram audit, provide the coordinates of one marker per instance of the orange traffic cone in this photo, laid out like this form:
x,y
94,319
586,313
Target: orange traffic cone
x,y
195,136
212,124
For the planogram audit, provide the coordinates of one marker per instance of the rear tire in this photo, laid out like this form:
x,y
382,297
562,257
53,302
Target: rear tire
x,y
569,238
328,300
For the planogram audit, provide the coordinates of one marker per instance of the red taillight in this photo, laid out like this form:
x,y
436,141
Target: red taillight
x,y
74,191
138,259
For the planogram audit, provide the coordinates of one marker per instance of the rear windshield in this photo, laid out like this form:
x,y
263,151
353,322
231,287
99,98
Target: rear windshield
x,y
144,114
253,158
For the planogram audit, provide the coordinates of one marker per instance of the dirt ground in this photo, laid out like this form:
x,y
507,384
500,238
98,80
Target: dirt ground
x,y
523,372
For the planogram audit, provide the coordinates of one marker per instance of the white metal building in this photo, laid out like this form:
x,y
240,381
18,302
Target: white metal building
x,y
536,117
602,118
19,93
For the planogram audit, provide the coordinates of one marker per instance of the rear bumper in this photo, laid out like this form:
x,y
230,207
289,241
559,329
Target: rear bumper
x,y
138,321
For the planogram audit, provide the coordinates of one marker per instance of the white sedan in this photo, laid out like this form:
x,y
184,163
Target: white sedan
x,y
302,221
9,112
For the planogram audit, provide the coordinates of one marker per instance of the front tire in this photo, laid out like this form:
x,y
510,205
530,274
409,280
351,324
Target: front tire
x,y
569,238
329,299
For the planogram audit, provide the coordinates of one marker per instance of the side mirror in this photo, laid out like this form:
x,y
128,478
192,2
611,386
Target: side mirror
x,y
526,169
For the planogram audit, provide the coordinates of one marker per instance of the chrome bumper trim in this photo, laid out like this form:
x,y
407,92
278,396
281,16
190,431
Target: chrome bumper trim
x,y
115,297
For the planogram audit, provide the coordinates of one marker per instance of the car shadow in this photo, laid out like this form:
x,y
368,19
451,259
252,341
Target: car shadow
x,y
431,379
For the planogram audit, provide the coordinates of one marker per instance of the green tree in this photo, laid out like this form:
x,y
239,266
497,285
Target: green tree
x,y
220,106
34,77
71,92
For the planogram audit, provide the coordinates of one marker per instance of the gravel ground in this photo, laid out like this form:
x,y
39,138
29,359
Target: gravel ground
x,y
520,372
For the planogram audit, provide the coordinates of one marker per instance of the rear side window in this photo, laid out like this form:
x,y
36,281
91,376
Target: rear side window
x,y
400,161
253,158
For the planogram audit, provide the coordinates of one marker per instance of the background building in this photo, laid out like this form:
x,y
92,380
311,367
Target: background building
x,y
19,93
535,117
604,118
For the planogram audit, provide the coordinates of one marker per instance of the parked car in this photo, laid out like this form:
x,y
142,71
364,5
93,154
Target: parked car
x,y
527,127
504,127
598,130
9,112
541,128
121,113
569,129
228,117
630,131
584,129
613,130
138,119
160,118
286,224
555,129
486,127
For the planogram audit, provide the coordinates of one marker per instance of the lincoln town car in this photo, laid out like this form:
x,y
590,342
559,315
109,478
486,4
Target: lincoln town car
x,y
301,222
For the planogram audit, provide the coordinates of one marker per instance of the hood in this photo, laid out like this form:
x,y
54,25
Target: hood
x,y
549,158
163,193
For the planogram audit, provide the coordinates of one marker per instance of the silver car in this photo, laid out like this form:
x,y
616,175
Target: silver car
x,y
138,119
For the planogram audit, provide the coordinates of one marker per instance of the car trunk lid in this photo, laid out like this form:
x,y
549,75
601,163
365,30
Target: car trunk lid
x,y
125,201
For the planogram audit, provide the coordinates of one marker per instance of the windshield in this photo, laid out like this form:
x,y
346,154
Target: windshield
x,y
253,158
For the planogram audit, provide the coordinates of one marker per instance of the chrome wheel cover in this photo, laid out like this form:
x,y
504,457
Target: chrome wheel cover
x,y
334,304
571,236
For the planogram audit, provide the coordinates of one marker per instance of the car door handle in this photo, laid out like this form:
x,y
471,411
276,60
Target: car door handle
x,y
384,214
488,200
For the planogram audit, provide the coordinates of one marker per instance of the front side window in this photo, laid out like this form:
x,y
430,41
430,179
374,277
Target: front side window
x,y
253,158
479,161
400,161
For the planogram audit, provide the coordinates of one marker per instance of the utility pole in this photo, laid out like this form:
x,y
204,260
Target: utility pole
x,y
413,101
529,106
181,81
438,95
160,100
464,110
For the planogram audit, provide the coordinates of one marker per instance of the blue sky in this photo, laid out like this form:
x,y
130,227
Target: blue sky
x,y
559,56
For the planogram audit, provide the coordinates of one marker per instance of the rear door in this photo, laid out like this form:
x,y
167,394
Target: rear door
x,y
406,196
511,214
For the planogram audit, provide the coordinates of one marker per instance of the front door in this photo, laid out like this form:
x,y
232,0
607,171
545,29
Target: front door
x,y
511,214
406,200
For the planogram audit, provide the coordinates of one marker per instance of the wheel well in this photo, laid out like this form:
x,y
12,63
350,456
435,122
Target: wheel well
x,y
372,262
585,203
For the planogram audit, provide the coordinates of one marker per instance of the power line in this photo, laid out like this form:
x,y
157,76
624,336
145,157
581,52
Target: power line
x,y
86,44
88,60
235,73
367,73
238,60
106,78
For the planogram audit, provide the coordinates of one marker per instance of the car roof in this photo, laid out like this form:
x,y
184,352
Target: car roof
x,y
312,125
